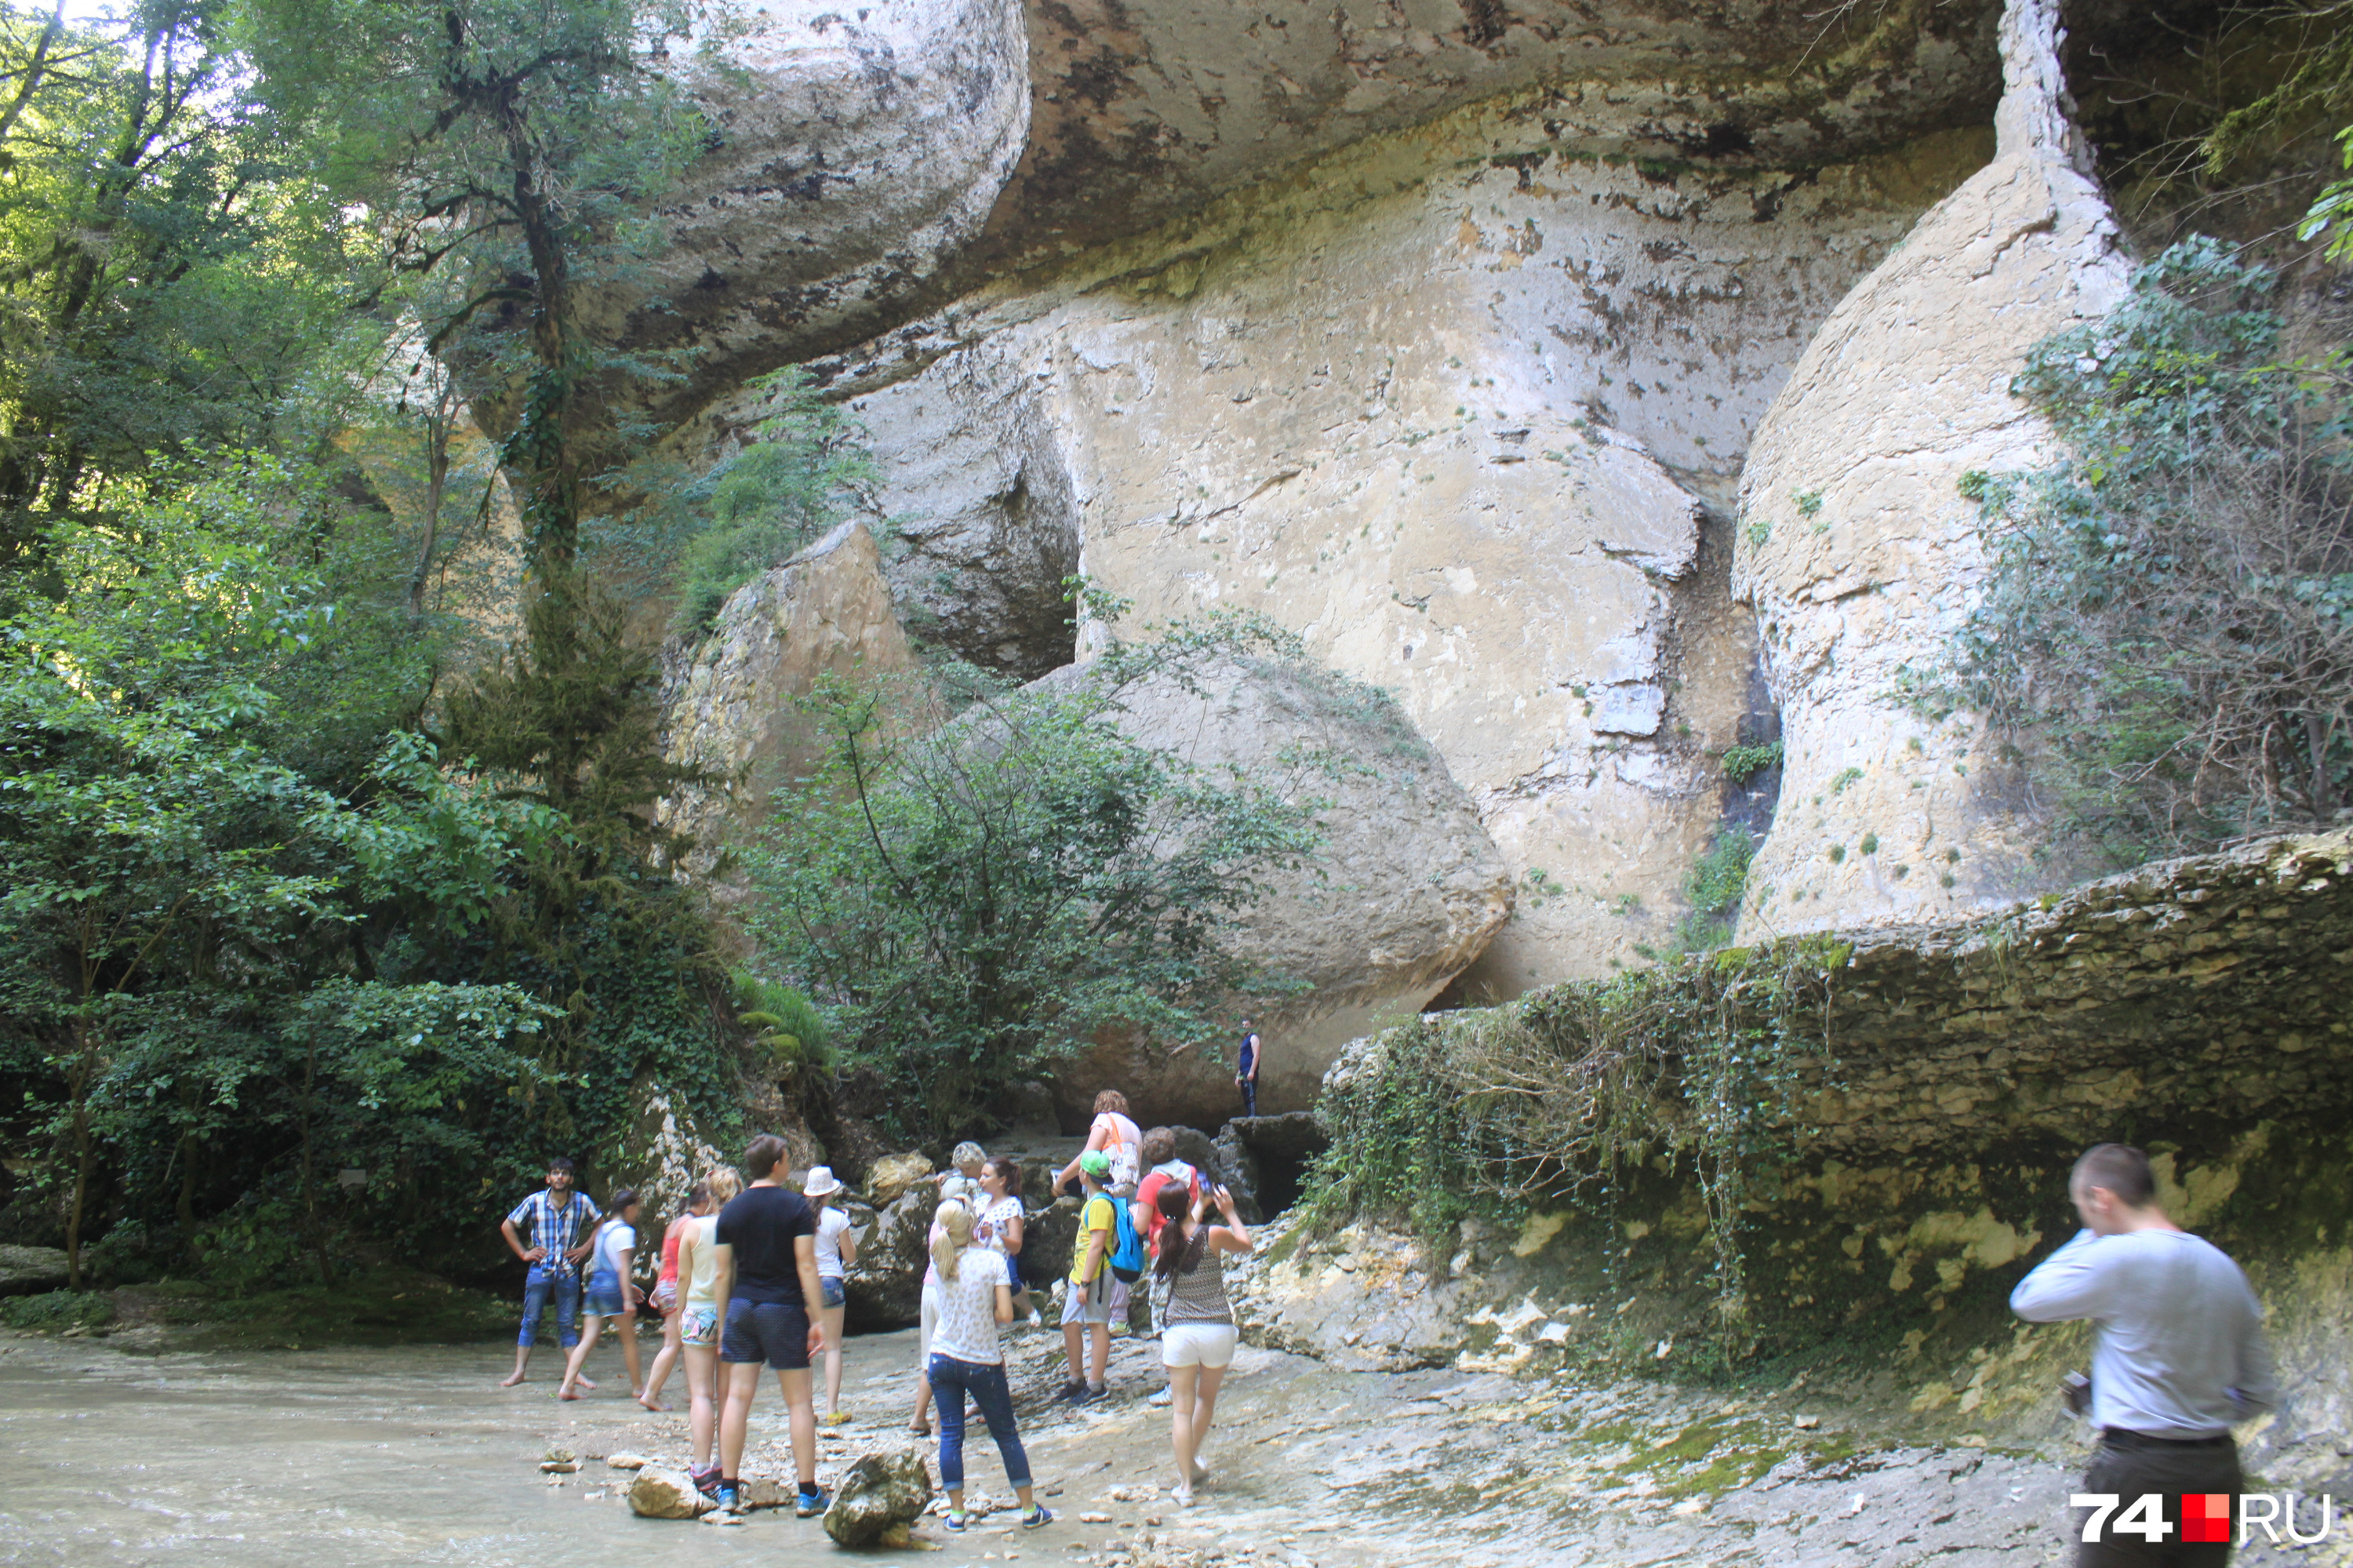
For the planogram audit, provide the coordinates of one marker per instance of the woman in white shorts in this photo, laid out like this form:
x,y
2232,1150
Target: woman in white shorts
x,y
1199,1342
698,1326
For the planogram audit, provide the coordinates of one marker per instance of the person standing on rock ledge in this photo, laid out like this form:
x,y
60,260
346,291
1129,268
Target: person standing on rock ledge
x,y
1246,1063
765,1291
2178,1357
556,1218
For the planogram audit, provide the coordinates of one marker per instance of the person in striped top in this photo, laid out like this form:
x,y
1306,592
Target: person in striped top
x,y
557,1220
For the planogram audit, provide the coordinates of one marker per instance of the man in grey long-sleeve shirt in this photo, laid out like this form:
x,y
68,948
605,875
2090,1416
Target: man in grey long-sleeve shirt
x,y
2179,1356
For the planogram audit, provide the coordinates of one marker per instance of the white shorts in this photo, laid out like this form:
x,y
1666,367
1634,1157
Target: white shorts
x,y
930,1321
1198,1344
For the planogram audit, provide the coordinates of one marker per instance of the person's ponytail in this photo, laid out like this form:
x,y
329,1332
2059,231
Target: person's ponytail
x,y
954,1221
1175,1206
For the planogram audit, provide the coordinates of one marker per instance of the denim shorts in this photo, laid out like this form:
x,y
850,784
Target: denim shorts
x,y
830,1285
606,1296
776,1333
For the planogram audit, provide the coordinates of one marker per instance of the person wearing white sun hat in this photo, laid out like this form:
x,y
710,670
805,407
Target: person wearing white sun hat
x,y
837,1249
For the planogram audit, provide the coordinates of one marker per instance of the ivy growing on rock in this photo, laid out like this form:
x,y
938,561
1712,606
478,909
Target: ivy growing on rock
x,y
1568,1094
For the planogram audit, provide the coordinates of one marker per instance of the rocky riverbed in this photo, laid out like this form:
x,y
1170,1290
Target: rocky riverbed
x,y
1315,1468
412,1455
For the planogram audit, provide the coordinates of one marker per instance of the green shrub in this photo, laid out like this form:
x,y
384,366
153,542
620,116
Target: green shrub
x,y
2166,635
58,1309
1742,763
776,495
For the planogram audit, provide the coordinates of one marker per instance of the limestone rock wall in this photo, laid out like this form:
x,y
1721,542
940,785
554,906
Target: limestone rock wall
x,y
873,162
1859,554
1451,405
2193,1007
729,697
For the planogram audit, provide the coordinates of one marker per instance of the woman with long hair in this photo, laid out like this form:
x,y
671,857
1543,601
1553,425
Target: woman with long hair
x,y
996,1218
664,1299
976,1298
1198,1344
613,1244
698,1327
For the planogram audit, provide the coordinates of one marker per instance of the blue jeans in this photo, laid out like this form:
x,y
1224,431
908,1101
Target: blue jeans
x,y
545,1280
951,1381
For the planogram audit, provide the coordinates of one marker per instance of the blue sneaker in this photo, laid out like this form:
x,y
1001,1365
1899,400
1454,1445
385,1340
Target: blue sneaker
x,y
956,1523
813,1500
731,1496
1037,1515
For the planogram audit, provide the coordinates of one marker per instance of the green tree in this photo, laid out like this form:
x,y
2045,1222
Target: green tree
x,y
167,274
970,901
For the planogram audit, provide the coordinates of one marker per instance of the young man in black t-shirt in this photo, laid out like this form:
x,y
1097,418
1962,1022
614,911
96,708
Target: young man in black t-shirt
x,y
766,1257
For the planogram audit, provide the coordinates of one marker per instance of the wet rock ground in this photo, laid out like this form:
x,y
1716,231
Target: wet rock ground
x,y
1315,1469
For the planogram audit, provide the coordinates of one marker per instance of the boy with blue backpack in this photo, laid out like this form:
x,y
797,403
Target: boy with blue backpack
x,y
1108,1257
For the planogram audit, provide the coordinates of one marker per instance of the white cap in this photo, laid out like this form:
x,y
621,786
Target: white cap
x,y
821,1181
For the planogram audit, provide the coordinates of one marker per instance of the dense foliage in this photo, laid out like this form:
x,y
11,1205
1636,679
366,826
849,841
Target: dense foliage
x,y
969,902
2167,633
316,863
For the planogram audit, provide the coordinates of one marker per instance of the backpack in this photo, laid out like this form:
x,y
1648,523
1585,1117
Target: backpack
x,y
1128,1258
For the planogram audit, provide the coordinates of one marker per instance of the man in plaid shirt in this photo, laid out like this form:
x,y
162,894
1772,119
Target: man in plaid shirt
x,y
559,1220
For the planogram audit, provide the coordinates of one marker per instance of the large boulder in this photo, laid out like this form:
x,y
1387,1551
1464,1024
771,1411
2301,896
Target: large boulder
x,y
1861,556
894,1174
884,1288
32,1270
878,1499
730,696
1405,892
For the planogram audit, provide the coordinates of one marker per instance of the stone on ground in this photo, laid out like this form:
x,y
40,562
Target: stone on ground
x,y
658,1493
879,1498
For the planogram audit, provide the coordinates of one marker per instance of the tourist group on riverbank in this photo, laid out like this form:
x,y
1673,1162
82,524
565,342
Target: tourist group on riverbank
x,y
753,1270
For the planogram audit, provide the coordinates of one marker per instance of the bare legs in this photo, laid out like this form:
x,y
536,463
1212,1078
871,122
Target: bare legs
x,y
627,1330
1098,1353
664,1359
589,1332
523,1363
736,1415
706,1388
1189,1414
920,1421
832,1317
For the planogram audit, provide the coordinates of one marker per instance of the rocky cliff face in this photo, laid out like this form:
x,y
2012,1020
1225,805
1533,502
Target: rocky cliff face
x,y
1458,429
1449,341
731,695
874,163
1857,551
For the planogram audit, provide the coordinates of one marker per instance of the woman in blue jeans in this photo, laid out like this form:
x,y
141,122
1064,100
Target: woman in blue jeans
x,y
975,1293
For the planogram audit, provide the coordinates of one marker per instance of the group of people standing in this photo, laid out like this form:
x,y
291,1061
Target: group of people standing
x,y
755,1272
740,1284
1146,1210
